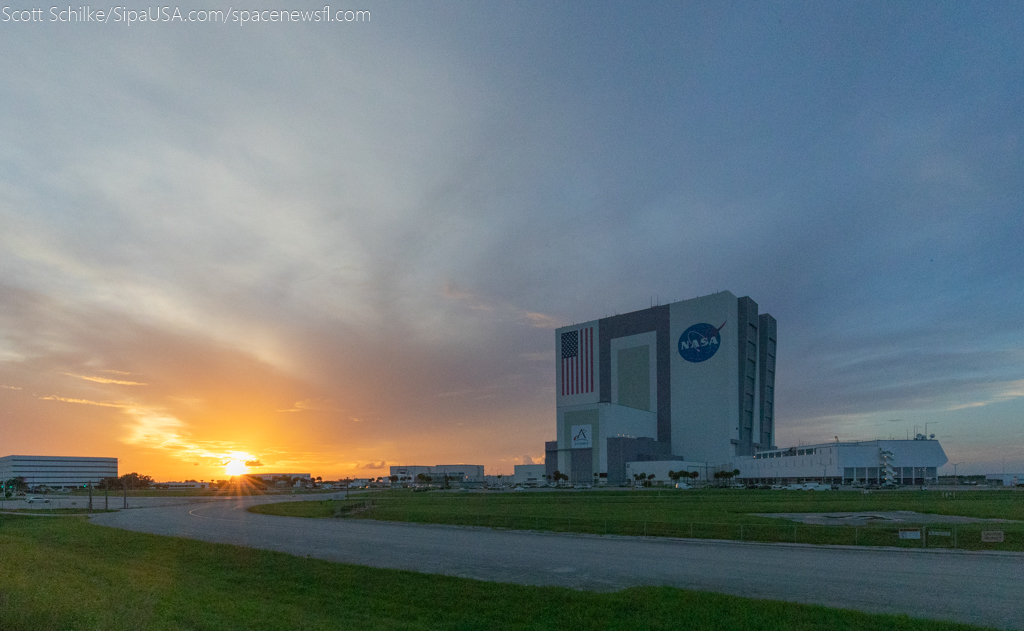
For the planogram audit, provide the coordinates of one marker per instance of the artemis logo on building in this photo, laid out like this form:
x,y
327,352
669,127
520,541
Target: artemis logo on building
x,y
700,342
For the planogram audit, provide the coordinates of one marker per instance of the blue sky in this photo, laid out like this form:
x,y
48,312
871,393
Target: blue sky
x,y
335,245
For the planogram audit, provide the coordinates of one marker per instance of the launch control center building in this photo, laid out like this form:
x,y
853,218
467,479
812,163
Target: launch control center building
x,y
691,381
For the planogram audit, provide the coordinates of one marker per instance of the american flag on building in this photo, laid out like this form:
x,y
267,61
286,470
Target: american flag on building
x,y
578,361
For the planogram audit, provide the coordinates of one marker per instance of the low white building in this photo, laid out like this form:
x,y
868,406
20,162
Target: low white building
x,y
269,477
458,474
657,471
182,485
1008,479
529,475
901,462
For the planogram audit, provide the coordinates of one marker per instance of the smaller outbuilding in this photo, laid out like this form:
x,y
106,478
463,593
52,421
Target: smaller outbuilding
x,y
530,475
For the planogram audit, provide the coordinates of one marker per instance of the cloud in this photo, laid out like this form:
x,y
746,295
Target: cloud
x,y
106,404
375,465
10,387
105,380
310,404
253,463
527,460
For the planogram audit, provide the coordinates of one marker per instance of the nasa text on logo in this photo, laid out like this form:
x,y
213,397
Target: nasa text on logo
x,y
700,342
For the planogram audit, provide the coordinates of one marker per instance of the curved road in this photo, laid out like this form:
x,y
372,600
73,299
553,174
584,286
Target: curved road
x,y
976,588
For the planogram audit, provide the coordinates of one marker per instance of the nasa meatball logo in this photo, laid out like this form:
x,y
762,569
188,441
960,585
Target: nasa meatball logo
x,y
700,342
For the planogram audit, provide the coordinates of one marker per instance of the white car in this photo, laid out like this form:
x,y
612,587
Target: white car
x,y
44,500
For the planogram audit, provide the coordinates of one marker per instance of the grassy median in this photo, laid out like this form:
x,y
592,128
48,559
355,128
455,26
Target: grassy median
x,y
709,514
66,574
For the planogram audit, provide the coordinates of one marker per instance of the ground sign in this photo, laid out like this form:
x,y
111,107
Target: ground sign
x,y
908,533
992,536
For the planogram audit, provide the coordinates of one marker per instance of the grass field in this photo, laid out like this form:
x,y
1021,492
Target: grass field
x,y
710,514
67,575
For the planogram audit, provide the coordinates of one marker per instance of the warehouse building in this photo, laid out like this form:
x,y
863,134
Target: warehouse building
x,y
872,462
57,471
690,380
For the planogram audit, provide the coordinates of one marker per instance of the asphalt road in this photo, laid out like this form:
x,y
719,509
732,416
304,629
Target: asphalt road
x,y
976,588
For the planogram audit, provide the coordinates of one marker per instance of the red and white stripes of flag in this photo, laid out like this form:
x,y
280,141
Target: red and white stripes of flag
x,y
578,361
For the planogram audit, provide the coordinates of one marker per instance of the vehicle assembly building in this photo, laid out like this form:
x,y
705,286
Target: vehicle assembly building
x,y
690,386
692,380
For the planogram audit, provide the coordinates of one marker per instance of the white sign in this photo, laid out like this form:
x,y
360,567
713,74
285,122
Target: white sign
x,y
909,534
992,536
581,436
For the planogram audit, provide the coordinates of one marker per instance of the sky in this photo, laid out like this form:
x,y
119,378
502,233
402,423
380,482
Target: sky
x,y
334,247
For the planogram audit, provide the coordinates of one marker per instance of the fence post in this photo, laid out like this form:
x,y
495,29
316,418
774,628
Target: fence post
x,y
741,532
954,536
856,536
794,534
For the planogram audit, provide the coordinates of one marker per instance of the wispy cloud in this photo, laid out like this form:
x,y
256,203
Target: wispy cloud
x,y
307,405
10,387
106,404
105,380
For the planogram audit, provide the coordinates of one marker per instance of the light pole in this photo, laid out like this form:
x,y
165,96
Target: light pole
x,y
955,465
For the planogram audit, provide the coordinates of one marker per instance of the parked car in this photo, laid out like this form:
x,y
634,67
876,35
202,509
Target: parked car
x,y
44,500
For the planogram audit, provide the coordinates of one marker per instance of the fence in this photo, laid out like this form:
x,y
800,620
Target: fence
x,y
960,536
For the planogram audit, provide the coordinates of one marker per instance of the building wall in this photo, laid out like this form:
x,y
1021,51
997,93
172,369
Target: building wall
x,y
661,468
622,450
705,394
459,473
600,422
529,475
859,461
57,471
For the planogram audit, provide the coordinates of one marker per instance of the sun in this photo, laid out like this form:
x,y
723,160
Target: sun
x,y
236,467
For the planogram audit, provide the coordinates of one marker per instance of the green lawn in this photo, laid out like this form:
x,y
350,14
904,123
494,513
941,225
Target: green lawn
x,y
67,574
711,513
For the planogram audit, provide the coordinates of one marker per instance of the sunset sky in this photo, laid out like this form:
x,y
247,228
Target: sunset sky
x,y
336,247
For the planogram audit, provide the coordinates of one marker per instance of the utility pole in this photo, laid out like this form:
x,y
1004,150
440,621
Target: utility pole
x,y
125,487
90,496
106,495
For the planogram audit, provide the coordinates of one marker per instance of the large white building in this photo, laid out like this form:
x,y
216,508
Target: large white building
x,y
57,471
694,378
901,462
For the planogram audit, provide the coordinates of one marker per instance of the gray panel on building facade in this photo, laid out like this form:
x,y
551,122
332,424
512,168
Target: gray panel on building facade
x,y
654,319
766,379
747,340
550,458
623,449
582,469
634,377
